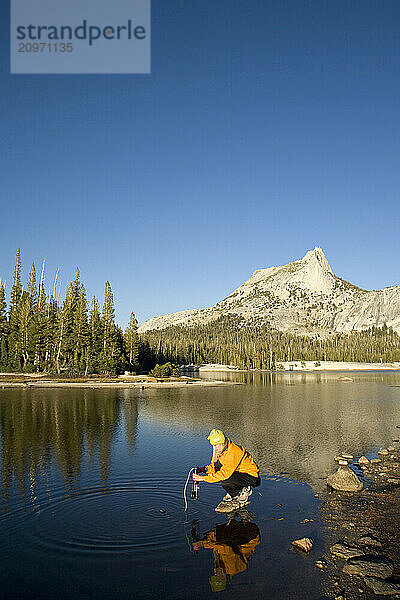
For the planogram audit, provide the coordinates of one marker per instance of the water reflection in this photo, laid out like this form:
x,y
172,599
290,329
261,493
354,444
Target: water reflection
x,y
287,426
38,429
232,543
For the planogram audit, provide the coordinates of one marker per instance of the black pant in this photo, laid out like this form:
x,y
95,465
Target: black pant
x,y
234,484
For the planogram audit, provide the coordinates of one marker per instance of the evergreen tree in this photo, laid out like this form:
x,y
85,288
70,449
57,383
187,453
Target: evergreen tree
x,y
109,355
3,329
80,334
131,338
24,319
16,292
95,337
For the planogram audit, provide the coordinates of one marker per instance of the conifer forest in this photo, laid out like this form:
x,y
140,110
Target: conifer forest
x,y
230,340
40,333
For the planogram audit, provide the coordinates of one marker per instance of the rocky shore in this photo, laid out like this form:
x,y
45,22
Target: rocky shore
x,y
362,557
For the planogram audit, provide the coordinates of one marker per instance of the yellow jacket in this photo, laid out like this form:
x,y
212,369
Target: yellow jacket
x,y
234,560
234,458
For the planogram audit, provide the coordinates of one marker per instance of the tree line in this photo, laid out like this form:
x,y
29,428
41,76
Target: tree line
x,y
230,340
38,333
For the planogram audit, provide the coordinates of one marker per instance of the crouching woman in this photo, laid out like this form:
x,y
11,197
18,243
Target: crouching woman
x,y
234,468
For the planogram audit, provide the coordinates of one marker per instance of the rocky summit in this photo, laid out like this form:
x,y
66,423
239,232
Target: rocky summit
x,y
303,297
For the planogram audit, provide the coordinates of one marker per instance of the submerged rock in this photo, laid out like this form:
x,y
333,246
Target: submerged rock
x,y
304,544
375,566
344,480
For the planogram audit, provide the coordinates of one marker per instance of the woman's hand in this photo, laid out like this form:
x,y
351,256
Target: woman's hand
x,y
197,477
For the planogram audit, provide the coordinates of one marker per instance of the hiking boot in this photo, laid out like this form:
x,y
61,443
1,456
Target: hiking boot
x,y
244,494
227,506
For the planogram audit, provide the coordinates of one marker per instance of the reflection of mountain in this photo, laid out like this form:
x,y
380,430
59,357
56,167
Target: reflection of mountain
x,y
39,427
295,423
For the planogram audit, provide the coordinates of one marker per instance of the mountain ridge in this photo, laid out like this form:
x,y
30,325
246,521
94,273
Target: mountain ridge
x,y
303,297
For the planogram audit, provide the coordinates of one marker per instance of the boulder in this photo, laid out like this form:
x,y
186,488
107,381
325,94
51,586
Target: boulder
x,y
382,587
304,544
374,566
368,540
363,460
346,552
344,480
383,451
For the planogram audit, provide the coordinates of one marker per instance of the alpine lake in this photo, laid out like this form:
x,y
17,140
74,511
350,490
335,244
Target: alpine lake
x,y
92,503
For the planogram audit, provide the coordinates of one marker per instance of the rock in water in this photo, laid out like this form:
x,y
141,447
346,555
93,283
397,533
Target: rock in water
x,y
382,587
344,480
304,544
374,566
344,551
363,460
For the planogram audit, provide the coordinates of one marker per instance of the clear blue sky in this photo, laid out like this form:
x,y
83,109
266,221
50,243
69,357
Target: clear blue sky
x,y
265,128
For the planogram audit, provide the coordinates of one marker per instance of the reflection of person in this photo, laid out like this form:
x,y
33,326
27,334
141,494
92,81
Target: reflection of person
x,y
234,468
233,545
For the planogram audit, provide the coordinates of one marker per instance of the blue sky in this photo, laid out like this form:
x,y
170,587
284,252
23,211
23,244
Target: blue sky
x,y
264,129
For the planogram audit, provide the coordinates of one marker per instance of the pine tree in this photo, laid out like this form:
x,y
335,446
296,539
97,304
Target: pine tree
x,y
131,338
40,327
96,337
16,292
32,291
109,356
16,289
80,333
3,329
25,317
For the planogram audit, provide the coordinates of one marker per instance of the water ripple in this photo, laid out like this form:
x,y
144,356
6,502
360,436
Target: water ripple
x,y
124,517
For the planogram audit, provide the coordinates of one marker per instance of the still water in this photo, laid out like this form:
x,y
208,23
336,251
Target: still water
x,y
92,484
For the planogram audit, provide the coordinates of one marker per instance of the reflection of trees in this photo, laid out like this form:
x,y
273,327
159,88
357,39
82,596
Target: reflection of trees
x,y
38,427
130,409
294,423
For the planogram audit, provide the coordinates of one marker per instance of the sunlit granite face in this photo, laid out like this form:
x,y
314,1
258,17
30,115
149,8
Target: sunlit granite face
x,y
302,297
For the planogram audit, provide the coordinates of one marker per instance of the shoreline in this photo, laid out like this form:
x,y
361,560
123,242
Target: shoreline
x,y
145,385
300,366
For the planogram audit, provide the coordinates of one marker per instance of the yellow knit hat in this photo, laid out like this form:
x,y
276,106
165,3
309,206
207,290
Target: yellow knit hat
x,y
216,437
